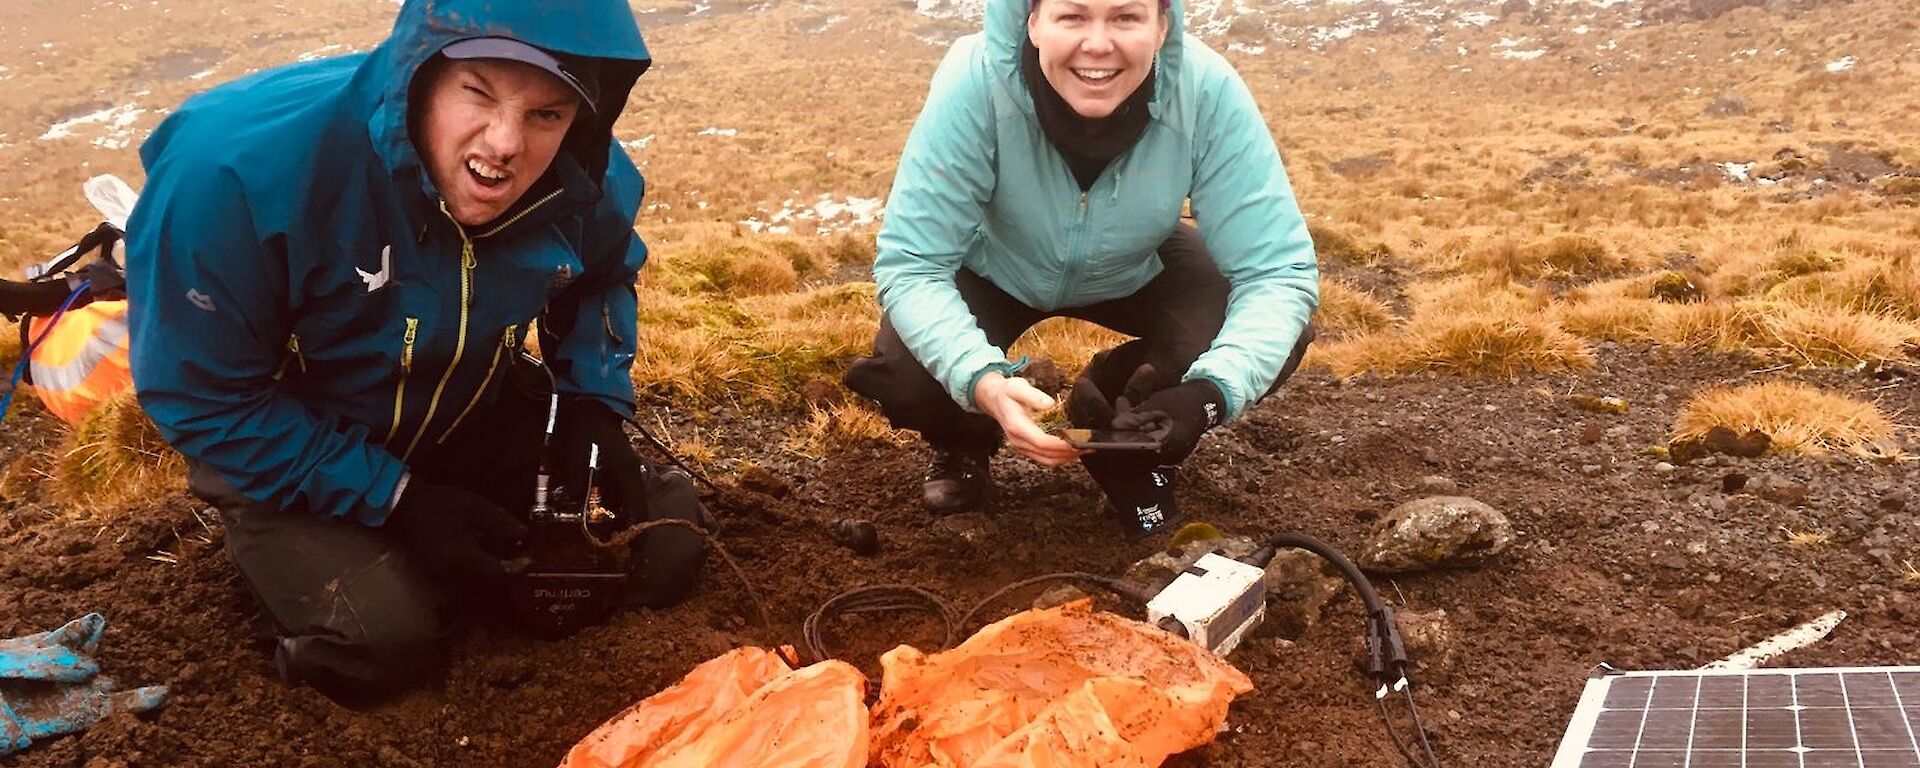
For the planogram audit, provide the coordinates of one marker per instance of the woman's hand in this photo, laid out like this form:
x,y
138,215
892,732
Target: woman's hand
x,y
1013,402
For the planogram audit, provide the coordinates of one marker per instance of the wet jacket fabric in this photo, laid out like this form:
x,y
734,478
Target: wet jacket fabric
x,y
979,187
306,318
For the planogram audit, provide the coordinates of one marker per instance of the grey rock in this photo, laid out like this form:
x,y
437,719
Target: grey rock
x,y
1437,531
1663,468
1777,489
1436,485
1299,584
1155,572
1728,105
1060,595
1429,642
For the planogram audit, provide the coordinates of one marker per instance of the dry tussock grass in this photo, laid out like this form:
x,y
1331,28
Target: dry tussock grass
x,y
1799,417
115,456
1069,343
839,427
1603,180
1346,310
1485,344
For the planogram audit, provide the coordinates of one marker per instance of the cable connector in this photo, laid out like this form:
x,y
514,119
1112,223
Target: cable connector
x,y
1386,652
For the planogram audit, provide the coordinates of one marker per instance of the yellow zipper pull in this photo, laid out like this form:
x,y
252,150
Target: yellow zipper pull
x,y
466,254
506,340
406,351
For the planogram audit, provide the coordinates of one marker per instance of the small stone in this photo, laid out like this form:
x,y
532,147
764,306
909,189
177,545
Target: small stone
x,y
857,535
758,479
822,392
1894,502
1591,434
1436,485
1299,585
1752,444
1778,490
1598,404
1060,595
1430,456
1437,531
1590,470
1733,482
1663,468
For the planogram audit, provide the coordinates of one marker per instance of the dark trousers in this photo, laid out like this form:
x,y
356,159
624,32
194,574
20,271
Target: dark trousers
x,y
1175,317
354,615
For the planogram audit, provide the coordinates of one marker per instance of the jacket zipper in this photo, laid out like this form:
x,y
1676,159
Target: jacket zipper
x,y
467,263
293,355
1068,272
406,367
506,342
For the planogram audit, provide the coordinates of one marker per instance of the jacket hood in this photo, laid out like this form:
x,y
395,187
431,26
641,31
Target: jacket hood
x,y
602,30
1006,30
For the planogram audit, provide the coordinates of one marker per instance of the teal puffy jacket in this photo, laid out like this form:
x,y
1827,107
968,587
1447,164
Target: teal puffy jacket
x,y
305,318
980,188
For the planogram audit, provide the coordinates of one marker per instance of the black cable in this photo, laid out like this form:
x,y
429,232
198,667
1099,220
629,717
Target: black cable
x,y
879,598
1386,653
1113,585
664,451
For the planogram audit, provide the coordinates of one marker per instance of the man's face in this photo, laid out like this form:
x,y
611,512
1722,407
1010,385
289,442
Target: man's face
x,y
489,130
1096,53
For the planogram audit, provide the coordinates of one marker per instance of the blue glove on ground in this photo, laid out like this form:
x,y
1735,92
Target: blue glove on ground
x,y
50,686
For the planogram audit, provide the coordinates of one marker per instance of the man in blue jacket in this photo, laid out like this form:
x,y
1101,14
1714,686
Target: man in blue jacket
x,y
332,272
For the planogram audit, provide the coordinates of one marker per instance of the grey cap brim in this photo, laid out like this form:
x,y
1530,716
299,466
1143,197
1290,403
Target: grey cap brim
x,y
510,49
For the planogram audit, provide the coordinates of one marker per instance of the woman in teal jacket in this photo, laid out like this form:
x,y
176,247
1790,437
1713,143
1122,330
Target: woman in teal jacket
x,y
1046,177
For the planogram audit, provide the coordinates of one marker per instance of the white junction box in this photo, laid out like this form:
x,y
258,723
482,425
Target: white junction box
x,y
1218,600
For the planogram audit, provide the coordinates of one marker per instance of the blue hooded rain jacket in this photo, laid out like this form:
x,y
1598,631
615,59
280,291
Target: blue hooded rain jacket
x,y
305,318
980,187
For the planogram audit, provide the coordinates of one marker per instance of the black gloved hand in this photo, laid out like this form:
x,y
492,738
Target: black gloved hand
x,y
1091,403
1177,416
666,561
461,539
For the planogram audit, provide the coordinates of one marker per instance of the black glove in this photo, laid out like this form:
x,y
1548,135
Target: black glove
x,y
1177,416
459,538
1111,372
666,560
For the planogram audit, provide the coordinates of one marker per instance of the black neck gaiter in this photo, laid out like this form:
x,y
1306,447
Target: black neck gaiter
x,y
1087,143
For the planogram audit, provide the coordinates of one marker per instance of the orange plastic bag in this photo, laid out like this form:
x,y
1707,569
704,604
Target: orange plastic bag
x,y
82,362
745,709
1055,688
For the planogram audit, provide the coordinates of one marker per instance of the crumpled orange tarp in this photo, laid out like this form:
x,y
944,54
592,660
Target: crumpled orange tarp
x,y
1057,687
744,709
1063,687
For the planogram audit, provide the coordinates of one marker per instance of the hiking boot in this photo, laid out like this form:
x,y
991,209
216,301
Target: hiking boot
x,y
956,481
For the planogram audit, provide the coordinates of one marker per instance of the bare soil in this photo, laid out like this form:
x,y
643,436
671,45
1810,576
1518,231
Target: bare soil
x,y
1617,562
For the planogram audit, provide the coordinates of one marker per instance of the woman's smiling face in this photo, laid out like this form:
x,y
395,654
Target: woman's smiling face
x,y
1096,53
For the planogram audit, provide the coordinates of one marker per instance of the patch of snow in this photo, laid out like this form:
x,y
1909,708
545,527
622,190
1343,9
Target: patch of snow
x,y
1736,171
722,132
829,23
639,143
117,123
1474,19
825,214
699,8
1250,50
1510,44
1581,30
200,75
320,52
1841,64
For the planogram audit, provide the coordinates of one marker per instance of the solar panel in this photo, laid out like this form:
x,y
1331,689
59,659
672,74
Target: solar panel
x,y
1856,717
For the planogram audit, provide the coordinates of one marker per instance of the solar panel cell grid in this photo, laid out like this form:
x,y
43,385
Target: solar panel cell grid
x,y
1852,718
